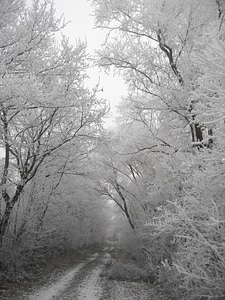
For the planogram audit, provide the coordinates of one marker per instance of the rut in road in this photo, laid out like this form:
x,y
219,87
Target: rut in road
x,y
47,293
90,287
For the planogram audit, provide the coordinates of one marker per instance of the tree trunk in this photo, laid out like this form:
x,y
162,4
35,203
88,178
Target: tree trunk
x,y
8,211
125,208
5,221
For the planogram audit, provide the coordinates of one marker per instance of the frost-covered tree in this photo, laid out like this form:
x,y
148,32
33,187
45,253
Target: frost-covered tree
x,y
141,174
44,105
151,46
59,211
171,53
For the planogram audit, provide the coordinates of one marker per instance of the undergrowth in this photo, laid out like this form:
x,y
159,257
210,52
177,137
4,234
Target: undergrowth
x,y
124,268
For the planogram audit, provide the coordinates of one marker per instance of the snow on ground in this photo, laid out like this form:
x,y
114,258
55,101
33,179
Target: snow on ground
x,y
55,288
124,290
49,292
90,288
88,281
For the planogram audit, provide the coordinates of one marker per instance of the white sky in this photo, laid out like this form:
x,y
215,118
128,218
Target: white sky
x,y
80,15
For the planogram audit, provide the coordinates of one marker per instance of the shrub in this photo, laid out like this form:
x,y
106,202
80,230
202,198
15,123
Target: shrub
x,y
128,271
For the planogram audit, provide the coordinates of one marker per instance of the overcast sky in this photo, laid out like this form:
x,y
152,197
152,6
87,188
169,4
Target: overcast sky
x,y
80,15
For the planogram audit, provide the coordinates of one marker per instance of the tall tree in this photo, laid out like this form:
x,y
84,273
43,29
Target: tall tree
x,y
151,46
44,104
172,57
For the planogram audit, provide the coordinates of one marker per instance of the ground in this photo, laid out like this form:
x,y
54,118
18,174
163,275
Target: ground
x,y
100,275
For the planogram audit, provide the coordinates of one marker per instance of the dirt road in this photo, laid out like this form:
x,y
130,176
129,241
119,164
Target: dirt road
x,y
82,282
87,281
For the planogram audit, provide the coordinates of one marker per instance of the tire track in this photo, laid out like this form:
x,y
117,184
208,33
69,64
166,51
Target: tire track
x,y
90,288
54,289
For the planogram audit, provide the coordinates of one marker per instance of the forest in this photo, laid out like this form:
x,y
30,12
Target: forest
x,y
155,181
